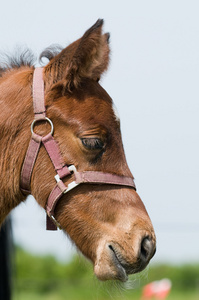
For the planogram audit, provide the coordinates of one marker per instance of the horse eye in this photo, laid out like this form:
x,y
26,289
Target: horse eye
x,y
92,143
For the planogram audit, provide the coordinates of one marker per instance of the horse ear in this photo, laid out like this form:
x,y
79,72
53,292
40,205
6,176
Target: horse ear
x,y
91,57
87,57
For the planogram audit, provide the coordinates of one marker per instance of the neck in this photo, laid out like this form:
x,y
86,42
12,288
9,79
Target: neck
x,y
15,103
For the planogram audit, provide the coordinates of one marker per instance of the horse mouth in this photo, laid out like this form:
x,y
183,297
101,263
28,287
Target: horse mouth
x,y
114,263
122,274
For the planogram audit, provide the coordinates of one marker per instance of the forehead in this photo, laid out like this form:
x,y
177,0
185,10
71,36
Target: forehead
x,y
90,105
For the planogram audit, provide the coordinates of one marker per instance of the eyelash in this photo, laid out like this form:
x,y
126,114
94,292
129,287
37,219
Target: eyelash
x,y
92,143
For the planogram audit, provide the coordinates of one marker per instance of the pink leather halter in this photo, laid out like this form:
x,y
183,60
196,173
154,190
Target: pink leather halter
x,y
62,170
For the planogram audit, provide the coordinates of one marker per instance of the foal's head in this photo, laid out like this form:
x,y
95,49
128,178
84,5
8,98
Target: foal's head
x,y
108,223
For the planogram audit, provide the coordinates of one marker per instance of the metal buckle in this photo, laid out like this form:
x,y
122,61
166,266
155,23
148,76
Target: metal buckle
x,y
72,168
42,119
57,178
72,184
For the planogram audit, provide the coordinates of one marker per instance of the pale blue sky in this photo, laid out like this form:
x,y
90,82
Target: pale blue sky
x,y
154,82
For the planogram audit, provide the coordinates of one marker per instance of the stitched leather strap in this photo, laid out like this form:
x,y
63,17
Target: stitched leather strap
x,y
95,177
38,94
29,162
55,156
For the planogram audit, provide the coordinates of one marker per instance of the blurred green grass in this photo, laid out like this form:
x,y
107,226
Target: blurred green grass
x,y
43,278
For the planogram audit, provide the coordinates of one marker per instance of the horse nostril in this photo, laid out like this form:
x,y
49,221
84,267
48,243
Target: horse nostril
x,y
147,249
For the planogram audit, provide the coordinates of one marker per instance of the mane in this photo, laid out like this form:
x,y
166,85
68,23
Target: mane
x,y
50,52
26,58
19,59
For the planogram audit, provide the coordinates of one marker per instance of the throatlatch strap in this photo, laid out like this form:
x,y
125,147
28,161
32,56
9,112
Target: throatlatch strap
x,y
29,162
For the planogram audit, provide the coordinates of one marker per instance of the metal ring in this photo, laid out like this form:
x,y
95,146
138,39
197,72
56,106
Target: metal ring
x,y
44,119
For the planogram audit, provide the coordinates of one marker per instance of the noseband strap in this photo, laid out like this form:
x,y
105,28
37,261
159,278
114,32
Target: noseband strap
x,y
62,170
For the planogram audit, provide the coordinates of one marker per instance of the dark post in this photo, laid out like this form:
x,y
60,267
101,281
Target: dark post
x,y
5,260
